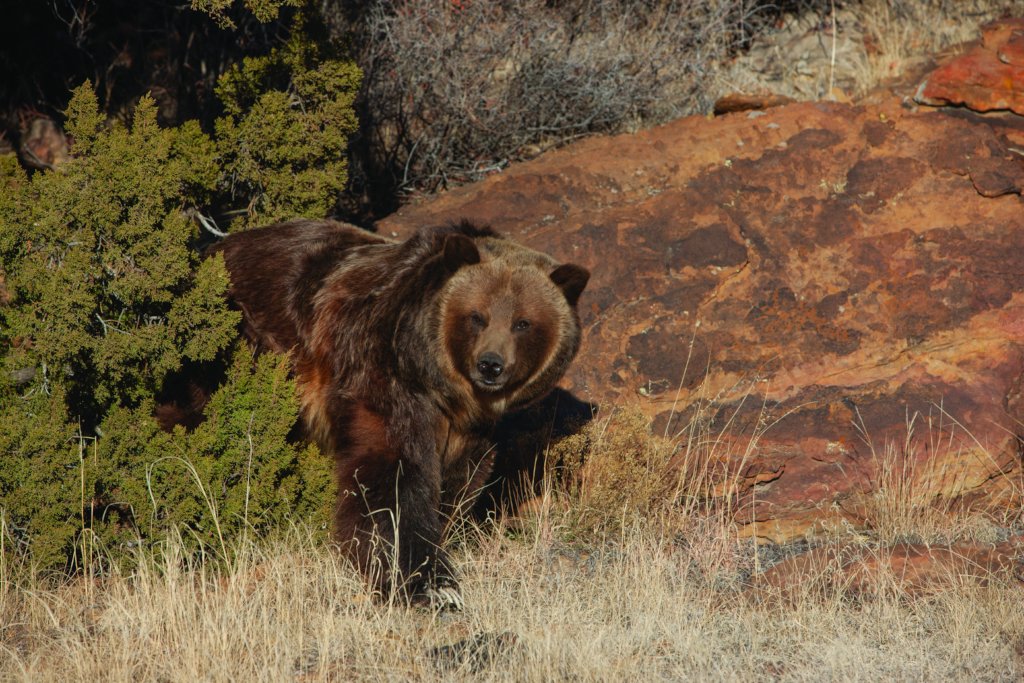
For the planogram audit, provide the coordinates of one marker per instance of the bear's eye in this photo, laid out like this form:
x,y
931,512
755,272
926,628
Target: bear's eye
x,y
478,320
521,326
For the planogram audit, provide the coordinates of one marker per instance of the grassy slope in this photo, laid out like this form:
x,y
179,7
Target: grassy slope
x,y
638,609
651,583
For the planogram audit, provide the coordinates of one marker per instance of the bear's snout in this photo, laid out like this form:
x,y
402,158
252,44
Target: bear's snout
x,y
490,366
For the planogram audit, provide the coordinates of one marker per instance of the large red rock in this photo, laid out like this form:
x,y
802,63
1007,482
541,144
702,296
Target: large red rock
x,y
822,300
988,76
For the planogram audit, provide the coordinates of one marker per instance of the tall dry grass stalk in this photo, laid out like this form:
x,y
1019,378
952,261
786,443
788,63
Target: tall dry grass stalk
x,y
916,486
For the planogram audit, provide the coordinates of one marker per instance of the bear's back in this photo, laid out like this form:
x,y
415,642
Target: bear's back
x,y
276,271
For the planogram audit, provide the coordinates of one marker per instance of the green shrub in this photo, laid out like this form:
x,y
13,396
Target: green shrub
x,y
107,292
283,141
263,10
103,296
236,472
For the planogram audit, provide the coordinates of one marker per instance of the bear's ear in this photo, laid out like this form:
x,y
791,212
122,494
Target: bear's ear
x,y
571,279
459,251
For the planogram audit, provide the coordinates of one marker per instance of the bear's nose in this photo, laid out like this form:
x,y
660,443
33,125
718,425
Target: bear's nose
x,y
490,365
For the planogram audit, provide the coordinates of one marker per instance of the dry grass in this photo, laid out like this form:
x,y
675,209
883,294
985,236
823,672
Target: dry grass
x,y
642,608
916,486
614,575
456,91
845,49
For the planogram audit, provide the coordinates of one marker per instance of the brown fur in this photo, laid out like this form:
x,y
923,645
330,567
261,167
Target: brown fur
x,y
389,342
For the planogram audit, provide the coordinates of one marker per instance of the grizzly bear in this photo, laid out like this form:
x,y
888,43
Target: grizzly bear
x,y
406,354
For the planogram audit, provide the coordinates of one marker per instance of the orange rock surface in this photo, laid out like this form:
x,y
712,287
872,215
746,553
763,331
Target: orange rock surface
x,y
988,77
830,293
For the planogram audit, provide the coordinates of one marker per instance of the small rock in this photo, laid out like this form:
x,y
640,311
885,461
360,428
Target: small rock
x,y
474,653
993,177
988,77
44,145
5,295
307,662
1012,51
735,102
22,376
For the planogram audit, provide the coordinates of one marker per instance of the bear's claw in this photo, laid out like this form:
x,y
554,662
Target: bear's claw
x,y
441,599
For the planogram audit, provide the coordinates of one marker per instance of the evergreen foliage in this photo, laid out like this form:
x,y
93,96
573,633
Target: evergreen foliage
x,y
263,10
283,140
103,296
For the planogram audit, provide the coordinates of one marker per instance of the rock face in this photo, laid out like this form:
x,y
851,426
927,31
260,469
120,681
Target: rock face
x,y
989,76
823,302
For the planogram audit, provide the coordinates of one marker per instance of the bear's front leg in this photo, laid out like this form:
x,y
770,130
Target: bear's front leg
x,y
388,512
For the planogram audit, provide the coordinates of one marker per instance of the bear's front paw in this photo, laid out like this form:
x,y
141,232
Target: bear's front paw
x,y
442,595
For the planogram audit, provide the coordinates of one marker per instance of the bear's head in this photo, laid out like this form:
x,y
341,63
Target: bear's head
x,y
508,321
